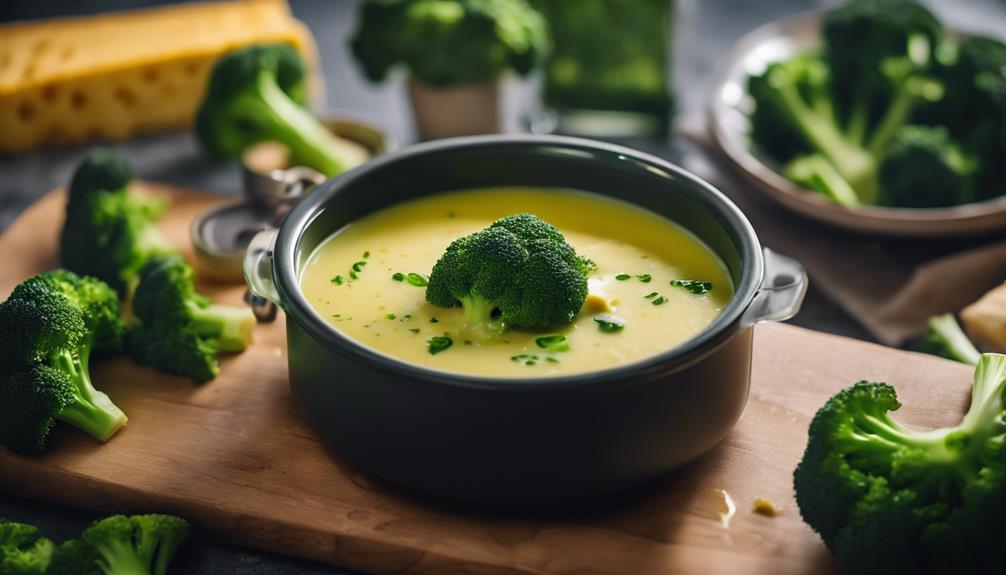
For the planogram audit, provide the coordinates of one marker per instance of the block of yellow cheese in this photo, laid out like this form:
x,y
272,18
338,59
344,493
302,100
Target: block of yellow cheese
x,y
114,75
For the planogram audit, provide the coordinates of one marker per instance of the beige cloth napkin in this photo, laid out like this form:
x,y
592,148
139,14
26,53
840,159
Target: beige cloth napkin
x,y
891,286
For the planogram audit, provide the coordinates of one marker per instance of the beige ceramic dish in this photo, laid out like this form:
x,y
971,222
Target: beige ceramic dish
x,y
728,124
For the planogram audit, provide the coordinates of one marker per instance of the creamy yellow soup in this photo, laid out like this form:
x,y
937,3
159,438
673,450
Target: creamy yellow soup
x,y
359,279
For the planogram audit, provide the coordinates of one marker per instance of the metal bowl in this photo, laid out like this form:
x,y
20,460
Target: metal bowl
x,y
729,127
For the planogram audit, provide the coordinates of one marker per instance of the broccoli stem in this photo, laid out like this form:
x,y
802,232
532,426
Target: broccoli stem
x,y
119,557
853,163
310,143
479,316
953,339
92,411
952,453
229,328
817,173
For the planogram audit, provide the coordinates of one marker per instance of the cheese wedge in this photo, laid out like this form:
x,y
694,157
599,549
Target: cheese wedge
x,y
115,75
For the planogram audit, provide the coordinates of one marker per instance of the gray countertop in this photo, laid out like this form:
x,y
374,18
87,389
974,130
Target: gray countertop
x,y
710,28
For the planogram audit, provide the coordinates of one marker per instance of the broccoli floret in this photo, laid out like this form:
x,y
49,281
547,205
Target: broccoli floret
x,y
859,37
945,338
924,168
886,498
98,303
137,544
845,107
181,331
74,557
108,233
45,347
22,550
517,273
257,94
449,42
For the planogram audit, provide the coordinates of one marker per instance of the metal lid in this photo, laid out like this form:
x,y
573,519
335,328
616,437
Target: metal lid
x,y
221,234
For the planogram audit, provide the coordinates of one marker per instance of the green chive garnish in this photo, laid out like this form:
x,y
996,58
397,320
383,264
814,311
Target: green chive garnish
x,y
609,324
651,295
645,278
554,342
622,277
660,300
337,280
697,287
390,316
417,280
439,343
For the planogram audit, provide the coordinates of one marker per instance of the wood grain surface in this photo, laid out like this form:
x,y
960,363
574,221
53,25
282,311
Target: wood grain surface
x,y
234,458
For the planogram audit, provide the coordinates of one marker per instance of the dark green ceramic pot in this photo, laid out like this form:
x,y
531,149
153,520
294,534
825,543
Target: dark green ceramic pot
x,y
525,442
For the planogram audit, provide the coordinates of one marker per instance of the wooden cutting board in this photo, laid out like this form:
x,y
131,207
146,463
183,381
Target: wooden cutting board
x,y
234,457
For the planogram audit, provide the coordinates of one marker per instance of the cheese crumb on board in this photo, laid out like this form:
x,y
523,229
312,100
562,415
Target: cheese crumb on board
x,y
113,75
765,507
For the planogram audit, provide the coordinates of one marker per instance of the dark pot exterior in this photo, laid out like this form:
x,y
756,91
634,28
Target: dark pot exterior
x,y
521,443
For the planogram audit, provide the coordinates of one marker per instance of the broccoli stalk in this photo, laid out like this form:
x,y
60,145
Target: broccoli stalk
x,y
257,94
46,338
180,331
517,273
945,338
887,498
796,93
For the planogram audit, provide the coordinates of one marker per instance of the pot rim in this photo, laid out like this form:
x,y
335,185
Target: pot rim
x,y
678,357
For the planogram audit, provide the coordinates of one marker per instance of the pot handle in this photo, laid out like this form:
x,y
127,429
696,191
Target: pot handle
x,y
261,295
781,292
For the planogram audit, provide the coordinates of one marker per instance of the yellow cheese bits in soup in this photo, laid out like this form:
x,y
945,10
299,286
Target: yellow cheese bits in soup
x,y
655,285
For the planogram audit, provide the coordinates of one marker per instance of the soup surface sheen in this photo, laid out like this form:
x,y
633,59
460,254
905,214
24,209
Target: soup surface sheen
x,y
394,318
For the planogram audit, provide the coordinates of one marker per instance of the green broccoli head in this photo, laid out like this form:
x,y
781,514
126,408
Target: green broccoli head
x,y
108,234
45,346
925,168
74,557
257,94
137,544
886,498
860,35
22,550
181,331
517,273
99,304
449,42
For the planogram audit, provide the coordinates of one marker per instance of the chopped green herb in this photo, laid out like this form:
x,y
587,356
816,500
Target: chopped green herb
x,y
697,287
358,266
366,254
622,277
660,300
609,324
554,342
336,315
406,317
552,360
645,278
414,330
337,280
352,275
519,357
390,316
650,295
438,343
398,276
417,280
434,320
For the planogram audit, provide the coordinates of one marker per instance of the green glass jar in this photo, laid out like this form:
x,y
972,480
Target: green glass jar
x,y
609,71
